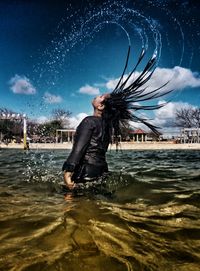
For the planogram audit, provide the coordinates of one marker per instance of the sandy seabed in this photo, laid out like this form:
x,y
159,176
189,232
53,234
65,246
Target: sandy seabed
x,y
122,145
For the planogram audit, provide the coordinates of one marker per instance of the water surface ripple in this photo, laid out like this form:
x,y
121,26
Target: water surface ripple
x,y
146,217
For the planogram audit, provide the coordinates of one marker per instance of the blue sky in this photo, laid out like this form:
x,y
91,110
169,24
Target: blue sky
x,y
60,55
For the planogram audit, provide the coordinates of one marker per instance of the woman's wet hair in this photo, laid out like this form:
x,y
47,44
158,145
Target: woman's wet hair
x,y
123,102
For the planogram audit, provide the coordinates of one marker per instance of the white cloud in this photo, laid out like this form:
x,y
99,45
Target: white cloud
x,y
51,98
42,119
164,118
169,132
178,77
74,121
111,84
21,85
89,90
138,125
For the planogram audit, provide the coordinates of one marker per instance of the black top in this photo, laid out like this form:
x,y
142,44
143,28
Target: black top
x,y
91,142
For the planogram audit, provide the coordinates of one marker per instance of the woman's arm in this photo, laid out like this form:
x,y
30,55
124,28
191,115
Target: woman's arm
x,y
82,139
67,179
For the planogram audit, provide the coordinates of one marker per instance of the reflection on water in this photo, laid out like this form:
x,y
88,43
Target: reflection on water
x,y
147,217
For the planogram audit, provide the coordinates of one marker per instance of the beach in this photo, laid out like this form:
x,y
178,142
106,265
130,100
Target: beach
x,y
122,146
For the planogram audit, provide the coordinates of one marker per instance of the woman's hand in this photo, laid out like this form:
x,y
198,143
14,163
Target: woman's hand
x,y
68,181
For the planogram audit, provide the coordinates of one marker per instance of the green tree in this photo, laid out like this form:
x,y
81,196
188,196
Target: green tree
x,y
9,127
48,129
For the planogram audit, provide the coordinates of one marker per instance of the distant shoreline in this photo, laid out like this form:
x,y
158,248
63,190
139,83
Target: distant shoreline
x,y
123,146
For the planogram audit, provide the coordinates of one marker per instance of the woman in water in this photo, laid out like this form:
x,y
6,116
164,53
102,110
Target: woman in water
x,y
87,160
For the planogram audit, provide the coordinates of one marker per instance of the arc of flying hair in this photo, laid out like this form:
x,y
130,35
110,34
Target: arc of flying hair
x,y
152,127
125,68
139,60
121,102
142,79
149,95
132,92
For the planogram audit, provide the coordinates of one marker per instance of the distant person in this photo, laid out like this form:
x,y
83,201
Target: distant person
x,y
27,147
87,160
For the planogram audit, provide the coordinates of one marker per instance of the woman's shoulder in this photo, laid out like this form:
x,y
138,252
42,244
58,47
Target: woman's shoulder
x,y
89,120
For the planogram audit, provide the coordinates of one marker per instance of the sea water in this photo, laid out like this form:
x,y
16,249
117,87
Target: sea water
x,y
146,217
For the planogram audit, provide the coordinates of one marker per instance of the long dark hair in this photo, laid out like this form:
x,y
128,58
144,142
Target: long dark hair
x,y
120,106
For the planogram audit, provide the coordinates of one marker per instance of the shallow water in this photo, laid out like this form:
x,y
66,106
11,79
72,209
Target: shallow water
x,y
146,218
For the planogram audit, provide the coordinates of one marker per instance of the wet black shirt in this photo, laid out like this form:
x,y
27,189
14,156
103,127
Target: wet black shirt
x,y
91,142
